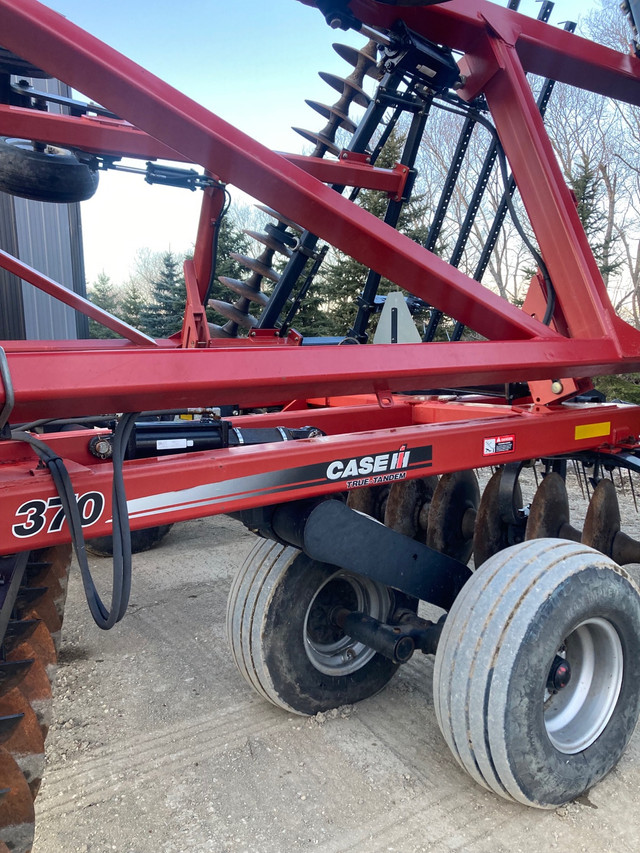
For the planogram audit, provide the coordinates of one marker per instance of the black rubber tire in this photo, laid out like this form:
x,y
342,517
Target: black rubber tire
x,y
267,611
495,655
141,540
54,175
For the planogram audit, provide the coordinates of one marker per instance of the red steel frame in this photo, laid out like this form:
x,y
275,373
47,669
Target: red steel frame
x,y
53,379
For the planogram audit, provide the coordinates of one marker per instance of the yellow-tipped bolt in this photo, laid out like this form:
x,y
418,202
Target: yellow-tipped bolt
x,y
556,387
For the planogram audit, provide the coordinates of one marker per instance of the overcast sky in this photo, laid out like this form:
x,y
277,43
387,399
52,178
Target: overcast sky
x,y
250,61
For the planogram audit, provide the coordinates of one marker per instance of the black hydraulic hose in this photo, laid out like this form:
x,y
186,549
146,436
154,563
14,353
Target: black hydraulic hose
x,y
121,586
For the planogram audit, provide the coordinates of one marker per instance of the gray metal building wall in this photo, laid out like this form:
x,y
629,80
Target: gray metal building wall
x,y
49,238
11,309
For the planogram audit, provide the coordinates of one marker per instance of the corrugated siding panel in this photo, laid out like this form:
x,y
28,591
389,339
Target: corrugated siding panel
x,y
77,265
11,314
49,238
44,243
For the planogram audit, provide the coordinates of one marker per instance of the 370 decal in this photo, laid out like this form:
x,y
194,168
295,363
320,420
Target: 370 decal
x,y
36,515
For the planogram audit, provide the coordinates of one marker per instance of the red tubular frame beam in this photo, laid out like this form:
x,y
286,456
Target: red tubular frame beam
x,y
262,376
436,435
69,297
463,24
113,138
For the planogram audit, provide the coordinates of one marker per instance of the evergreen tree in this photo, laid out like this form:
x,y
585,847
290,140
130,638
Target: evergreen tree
x,y
163,316
231,239
103,294
308,310
132,305
588,190
343,278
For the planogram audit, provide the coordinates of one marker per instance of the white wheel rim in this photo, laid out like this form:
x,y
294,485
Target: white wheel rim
x,y
329,649
576,715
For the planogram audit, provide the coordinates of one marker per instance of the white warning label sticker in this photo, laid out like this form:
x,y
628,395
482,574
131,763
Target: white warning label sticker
x,y
498,444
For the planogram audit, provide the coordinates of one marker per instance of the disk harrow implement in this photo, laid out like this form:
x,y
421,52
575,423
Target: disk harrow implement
x,y
358,466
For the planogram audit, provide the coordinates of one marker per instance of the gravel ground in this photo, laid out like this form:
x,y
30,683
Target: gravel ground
x,y
160,745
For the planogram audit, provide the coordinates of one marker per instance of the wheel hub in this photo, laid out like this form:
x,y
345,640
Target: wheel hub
x,y
329,649
576,715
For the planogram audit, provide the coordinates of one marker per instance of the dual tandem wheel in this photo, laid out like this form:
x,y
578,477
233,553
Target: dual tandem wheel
x,y
528,616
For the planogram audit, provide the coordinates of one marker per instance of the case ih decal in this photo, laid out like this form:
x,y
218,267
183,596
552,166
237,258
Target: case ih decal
x,y
374,469
379,468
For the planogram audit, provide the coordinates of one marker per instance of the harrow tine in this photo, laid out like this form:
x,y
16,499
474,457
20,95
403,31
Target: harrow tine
x,y
585,478
633,491
578,478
